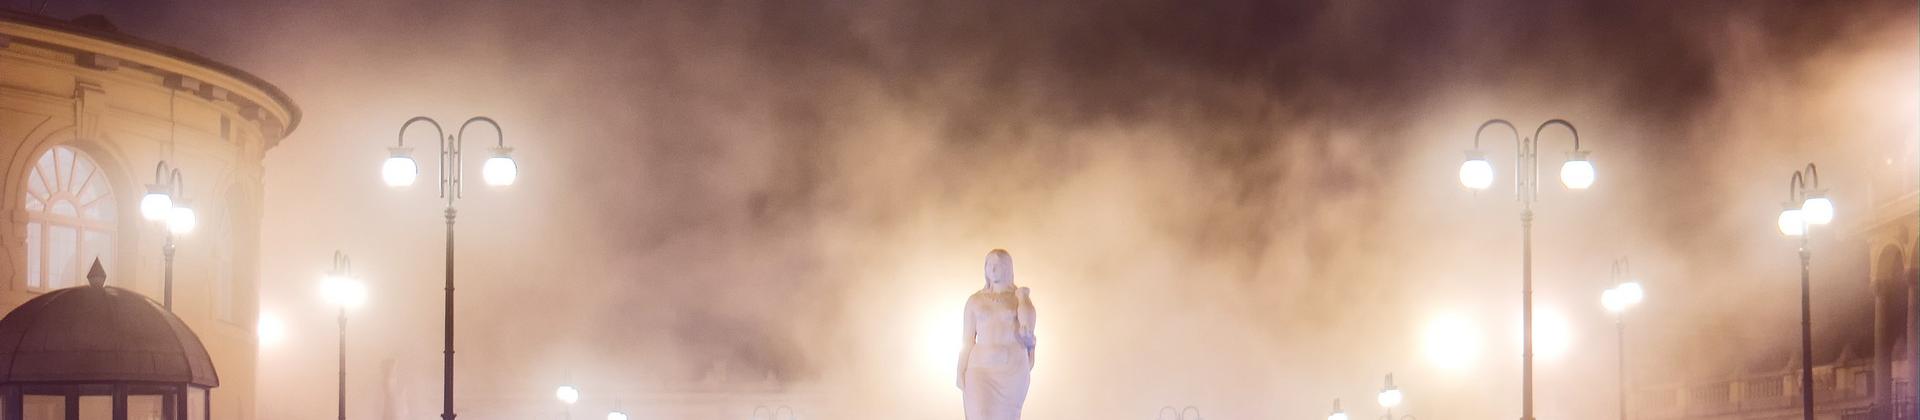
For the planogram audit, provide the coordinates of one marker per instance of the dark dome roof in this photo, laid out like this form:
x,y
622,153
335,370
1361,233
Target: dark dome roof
x,y
100,334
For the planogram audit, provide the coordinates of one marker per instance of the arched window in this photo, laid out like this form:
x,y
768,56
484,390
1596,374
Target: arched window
x,y
70,218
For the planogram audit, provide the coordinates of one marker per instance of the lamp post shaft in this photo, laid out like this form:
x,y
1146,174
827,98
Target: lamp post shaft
x,y
447,384
343,362
1526,307
1620,329
166,252
1806,331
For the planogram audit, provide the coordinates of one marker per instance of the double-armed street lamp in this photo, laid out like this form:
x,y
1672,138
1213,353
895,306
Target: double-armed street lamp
x,y
1622,296
341,289
400,170
1337,413
1807,206
567,395
166,203
1477,173
1390,397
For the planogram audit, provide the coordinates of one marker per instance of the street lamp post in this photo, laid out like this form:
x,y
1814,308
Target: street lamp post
x,y
1390,397
1337,413
166,202
400,170
1477,173
567,395
342,290
1807,206
1617,300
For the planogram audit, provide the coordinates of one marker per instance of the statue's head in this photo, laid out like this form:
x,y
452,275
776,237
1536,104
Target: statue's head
x,y
999,270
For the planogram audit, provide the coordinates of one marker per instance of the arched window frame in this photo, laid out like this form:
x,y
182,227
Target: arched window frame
x,y
64,175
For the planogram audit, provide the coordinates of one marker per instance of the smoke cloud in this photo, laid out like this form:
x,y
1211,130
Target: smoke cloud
x,y
1245,206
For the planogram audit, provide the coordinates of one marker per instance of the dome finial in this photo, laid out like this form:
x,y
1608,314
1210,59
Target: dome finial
x,y
97,276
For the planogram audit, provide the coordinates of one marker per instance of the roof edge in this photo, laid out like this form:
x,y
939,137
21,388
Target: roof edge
x,y
168,51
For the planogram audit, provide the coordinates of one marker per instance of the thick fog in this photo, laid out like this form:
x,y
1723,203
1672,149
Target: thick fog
x,y
1246,206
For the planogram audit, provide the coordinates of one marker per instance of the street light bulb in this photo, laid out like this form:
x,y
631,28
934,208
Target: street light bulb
x,y
567,394
1611,300
343,291
1631,293
499,170
180,220
1577,173
1818,210
156,204
399,171
1476,173
1791,223
1337,415
1390,398
616,416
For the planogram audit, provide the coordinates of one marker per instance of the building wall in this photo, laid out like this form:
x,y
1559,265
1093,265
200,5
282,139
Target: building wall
x,y
129,104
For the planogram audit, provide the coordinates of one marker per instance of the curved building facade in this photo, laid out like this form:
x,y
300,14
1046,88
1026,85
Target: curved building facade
x,y
86,114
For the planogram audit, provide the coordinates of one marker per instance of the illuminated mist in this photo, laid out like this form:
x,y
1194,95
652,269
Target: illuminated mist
x,y
1244,206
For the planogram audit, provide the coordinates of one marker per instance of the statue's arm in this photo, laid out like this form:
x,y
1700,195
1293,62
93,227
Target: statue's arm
x,y
1029,318
966,344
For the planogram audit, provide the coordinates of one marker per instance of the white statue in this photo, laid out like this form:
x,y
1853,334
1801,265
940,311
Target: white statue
x,y
996,353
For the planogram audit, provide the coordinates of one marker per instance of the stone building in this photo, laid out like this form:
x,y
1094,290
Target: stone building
x,y
1865,382
86,114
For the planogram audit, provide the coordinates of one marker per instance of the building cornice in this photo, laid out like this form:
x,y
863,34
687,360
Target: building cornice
x,y
181,69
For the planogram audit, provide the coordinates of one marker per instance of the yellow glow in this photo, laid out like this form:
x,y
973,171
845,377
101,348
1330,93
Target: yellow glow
x,y
939,340
1451,342
270,330
343,291
1552,334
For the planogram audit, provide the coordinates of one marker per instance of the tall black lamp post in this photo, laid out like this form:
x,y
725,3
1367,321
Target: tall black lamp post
x,y
400,170
1477,173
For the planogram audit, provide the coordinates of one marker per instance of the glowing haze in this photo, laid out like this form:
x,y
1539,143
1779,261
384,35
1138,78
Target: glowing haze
x,y
1247,206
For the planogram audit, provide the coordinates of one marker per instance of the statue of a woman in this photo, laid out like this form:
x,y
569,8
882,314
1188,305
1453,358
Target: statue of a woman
x,y
996,353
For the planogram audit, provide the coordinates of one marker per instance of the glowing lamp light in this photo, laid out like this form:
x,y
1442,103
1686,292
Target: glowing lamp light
x,y
156,204
1577,173
1552,334
180,220
1476,172
400,170
1818,209
269,330
1390,397
1792,223
343,291
500,170
567,394
616,416
1621,297
1631,292
1337,414
1451,343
